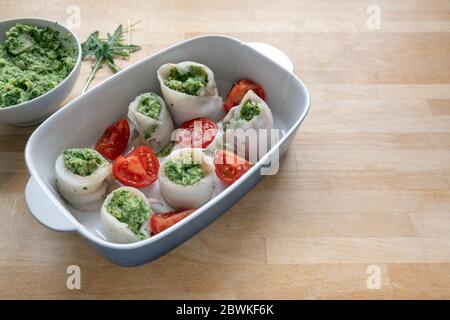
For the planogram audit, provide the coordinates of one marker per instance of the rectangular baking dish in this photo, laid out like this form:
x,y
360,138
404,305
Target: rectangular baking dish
x,y
82,121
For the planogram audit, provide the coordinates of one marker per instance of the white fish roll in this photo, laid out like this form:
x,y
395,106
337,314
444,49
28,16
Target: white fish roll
x,y
87,201
82,178
125,214
246,119
186,178
152,120
252,112
190,91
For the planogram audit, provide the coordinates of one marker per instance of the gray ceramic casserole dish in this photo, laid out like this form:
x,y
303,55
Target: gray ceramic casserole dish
x,y
83,120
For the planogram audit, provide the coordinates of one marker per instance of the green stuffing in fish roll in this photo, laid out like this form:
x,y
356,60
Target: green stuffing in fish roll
x,y
149,106
189,82
184,171
82,162
130,209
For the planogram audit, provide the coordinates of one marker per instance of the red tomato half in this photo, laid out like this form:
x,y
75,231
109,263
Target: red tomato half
x,y
198,133
138,169
239,90
161,221
114,140
230,167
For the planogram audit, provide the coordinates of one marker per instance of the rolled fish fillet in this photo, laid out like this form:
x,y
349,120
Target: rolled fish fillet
x,y
190,91
152,120
122,204
186,178
82,178
88,202
245,121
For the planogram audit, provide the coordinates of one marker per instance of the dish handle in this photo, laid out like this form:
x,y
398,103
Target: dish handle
x,y
44,210
274,54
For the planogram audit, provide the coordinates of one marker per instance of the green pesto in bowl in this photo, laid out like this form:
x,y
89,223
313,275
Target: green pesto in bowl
x,y
33,60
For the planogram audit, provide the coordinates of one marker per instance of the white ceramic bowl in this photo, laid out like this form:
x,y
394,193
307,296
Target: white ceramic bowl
x,y
38,109
84,119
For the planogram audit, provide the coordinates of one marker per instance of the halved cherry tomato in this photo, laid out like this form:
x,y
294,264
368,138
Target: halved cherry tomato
x,y
239,90
138,169
230,167
114,140
161,221
198,133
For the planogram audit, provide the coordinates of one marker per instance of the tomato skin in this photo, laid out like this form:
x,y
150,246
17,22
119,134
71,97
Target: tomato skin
x,y
239,90
189,137
162,221
230,167
114,140
138,169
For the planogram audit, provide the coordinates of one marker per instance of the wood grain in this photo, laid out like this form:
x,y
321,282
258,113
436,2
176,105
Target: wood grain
x,y
365,182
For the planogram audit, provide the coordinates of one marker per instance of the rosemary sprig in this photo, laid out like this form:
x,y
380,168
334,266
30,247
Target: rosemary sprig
x,y
103,50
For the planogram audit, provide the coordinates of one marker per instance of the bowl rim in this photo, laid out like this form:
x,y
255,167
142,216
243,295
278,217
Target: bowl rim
x,y
81,229
73,71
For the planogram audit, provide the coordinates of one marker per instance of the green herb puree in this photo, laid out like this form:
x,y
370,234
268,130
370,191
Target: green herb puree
x,y
184,171
150,131
130,209
82,162
249,110
166,151
189,82
149,105
33,61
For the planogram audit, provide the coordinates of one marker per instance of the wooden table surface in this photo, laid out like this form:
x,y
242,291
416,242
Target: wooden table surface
x,y
365,186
